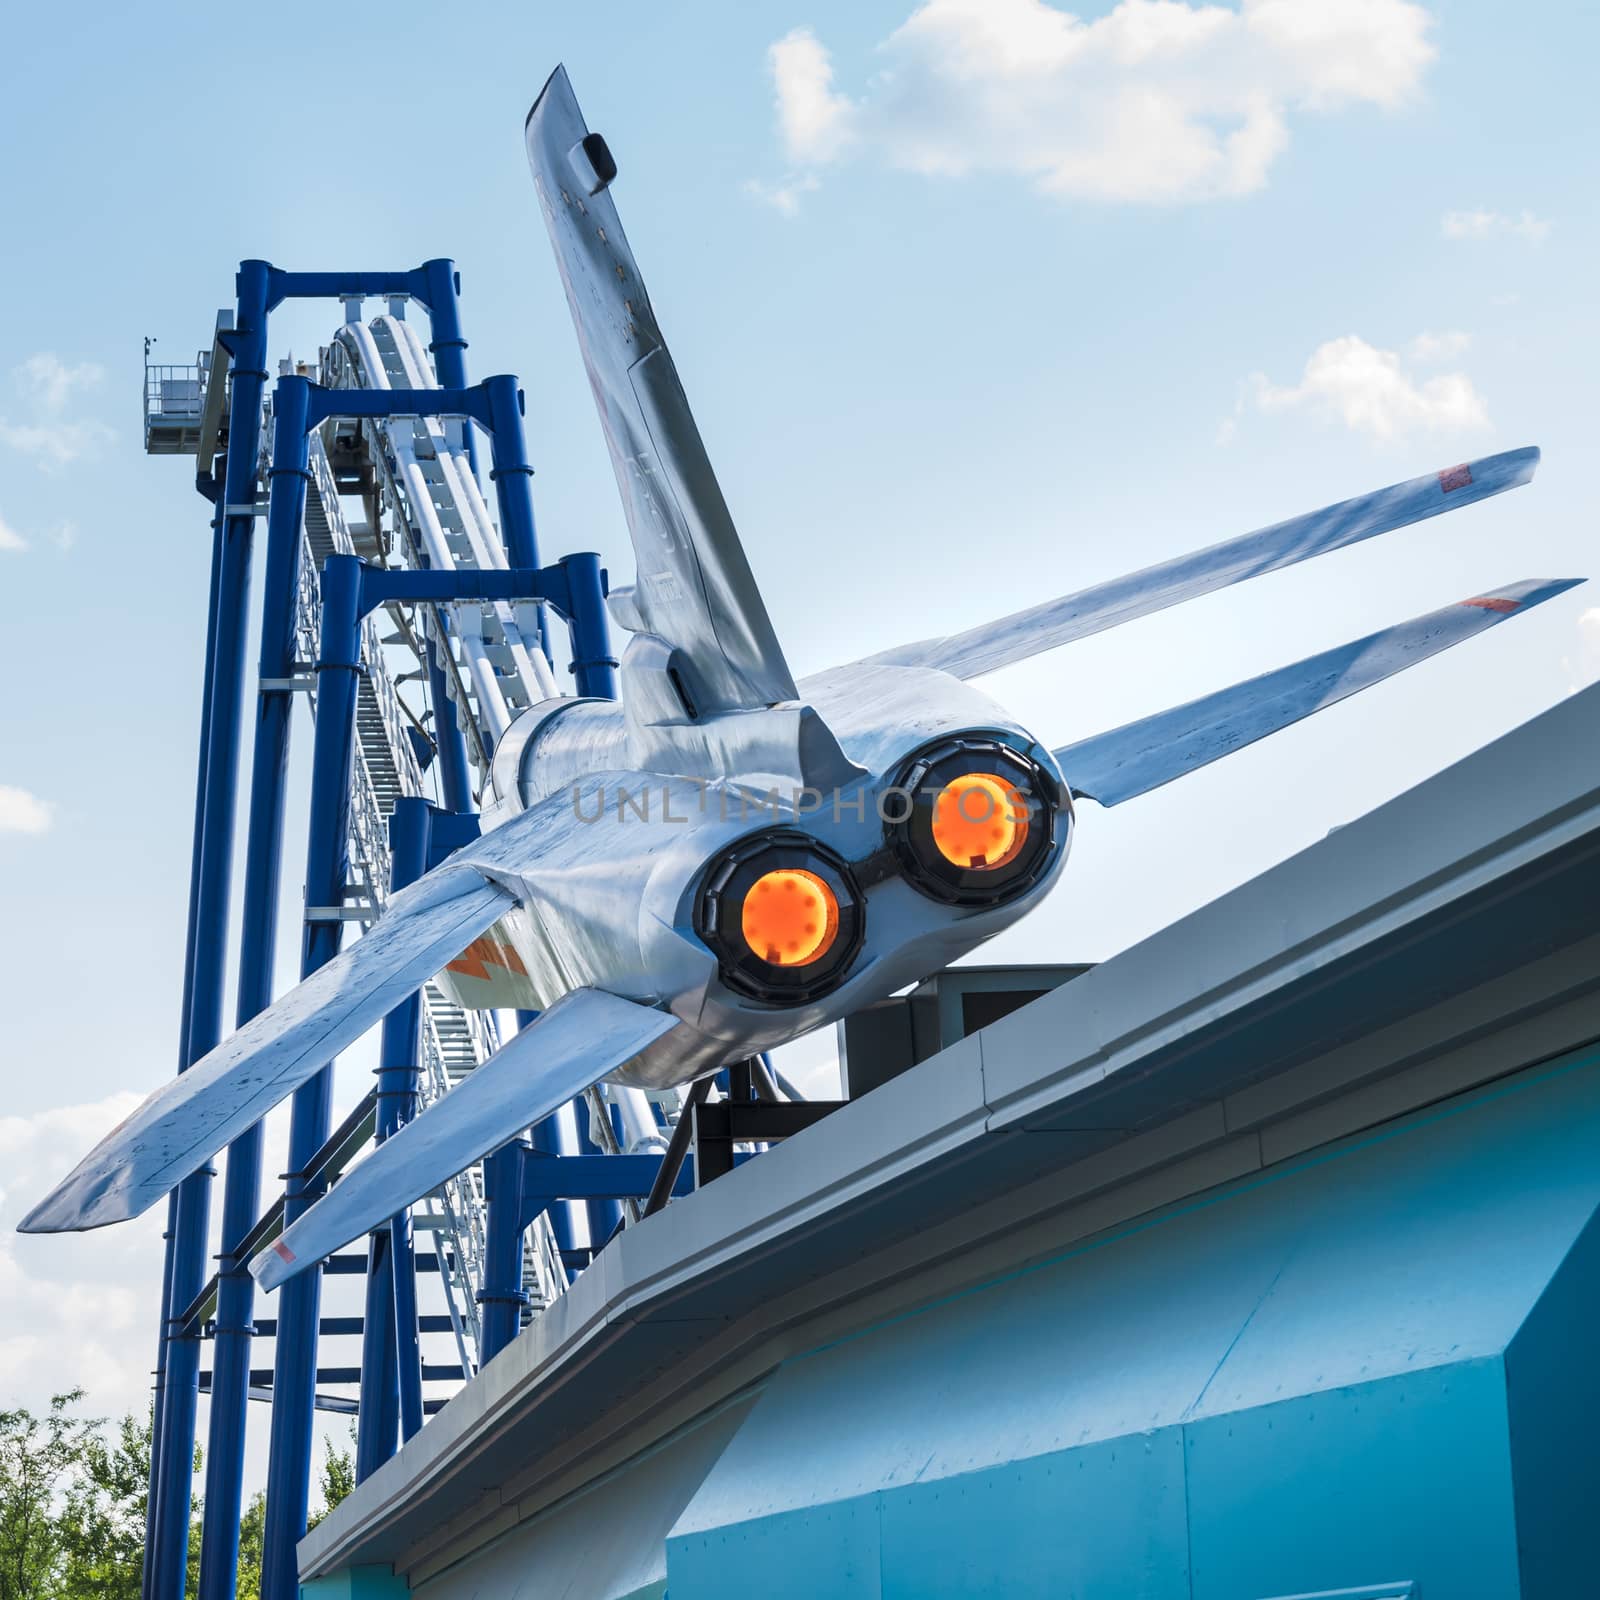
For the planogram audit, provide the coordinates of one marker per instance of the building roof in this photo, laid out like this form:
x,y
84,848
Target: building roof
x,y
1349,983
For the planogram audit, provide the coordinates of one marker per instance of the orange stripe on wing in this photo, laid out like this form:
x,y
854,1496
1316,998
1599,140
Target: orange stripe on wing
x,y
484,953
1493,602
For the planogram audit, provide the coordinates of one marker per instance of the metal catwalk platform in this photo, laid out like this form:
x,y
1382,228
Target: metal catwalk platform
x,y
1257,1262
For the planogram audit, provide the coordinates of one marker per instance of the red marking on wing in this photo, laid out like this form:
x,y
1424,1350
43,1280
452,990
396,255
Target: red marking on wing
x,y
284,1252
1455,477
484,953
1493,602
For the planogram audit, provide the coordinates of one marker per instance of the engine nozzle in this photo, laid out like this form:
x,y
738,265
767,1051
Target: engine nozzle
x,y
980,822
784,915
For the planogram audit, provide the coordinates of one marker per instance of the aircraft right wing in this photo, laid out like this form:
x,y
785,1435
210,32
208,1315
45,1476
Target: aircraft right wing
x,y
1141,756
695,588
1076,616
582,1037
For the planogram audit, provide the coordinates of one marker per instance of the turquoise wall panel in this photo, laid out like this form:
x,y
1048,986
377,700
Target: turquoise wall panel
x,y
1553,1397
1409,1477
1092,1524
829,1552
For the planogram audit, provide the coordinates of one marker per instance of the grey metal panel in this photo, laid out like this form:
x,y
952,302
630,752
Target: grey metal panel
x,y
1076,616
694,588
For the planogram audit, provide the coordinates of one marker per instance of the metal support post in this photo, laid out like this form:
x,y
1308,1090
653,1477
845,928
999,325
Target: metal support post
x,y
557,1136
390,1353
172,1450
159,1396
230,1376
454,780
503,1296
511,471
605,1215
593,665
327,870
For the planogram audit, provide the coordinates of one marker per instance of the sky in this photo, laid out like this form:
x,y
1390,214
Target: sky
x,y
977,301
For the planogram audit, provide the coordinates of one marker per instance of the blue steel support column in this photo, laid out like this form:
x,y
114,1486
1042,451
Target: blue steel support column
x,y
503,1296
327,869
512,473
593,665
449,348
605,1216
454,780
388,1341
172,1450
159,1394
230,1376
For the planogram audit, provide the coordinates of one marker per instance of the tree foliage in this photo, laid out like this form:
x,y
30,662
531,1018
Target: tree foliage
x,y
72,1506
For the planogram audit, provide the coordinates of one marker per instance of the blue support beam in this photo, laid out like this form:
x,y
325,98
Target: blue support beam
x,y
327,871
503,1296
547,1178
230,1376
390,1352
172,1443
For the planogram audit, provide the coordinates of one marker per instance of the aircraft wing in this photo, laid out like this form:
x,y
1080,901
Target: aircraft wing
x,y
1075,616
185,1122
1143,755
694,587
582,1037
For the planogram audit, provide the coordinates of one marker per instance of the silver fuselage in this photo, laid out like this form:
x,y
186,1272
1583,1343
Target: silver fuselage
x,y
632,812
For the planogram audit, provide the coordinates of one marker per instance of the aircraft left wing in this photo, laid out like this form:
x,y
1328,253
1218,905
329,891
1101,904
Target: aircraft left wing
x,y
1141,756
997,644
695,588
582,1037
186,1121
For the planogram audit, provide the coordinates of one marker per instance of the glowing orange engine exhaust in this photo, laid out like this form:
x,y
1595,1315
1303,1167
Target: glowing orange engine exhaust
x,y
790,917
980,822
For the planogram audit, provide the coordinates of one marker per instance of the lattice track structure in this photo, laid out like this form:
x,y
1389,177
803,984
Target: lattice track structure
x,y
446,679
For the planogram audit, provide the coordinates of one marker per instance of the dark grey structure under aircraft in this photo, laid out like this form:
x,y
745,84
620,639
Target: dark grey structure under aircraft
x,y
722,859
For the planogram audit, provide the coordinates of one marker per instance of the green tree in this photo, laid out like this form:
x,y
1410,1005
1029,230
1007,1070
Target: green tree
x,y
338,1478
39,1460
252,1541
103,1518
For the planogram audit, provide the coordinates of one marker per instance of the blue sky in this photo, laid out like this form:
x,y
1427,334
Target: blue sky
x,y
974,304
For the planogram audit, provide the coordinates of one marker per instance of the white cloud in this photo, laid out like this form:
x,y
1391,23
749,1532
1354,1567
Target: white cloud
x,y
1584,666
78,1309
55,434
21,812
1493,224
51,382
814,118
1438,346
1369,391
1157,101
10,539
783,197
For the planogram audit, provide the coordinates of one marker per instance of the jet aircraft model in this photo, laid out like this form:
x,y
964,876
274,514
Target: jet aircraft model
x,y
723,860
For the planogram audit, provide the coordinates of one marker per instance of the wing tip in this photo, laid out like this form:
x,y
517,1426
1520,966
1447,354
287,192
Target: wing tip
x,y
56,1214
